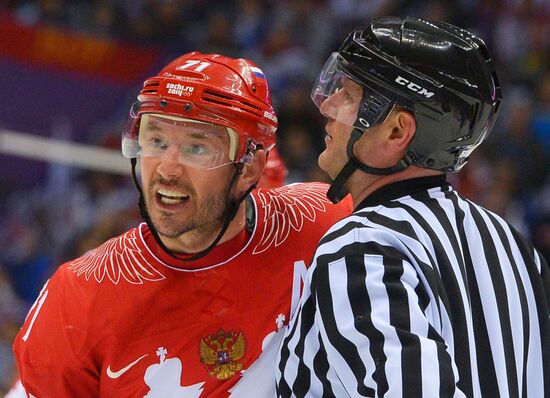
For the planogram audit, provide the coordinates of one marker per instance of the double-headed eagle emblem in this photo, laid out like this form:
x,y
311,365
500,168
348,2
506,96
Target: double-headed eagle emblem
x,y
222,353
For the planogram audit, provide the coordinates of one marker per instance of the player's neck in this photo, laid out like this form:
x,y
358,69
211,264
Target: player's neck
x,y
197,240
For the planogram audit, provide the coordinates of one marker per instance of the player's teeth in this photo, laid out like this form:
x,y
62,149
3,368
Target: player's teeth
x,y
171,194
170,201
171,197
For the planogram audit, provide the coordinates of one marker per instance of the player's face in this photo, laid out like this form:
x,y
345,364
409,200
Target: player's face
x,y
181,198
341,109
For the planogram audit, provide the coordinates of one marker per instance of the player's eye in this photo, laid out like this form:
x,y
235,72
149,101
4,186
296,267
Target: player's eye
x,y
195,150
157,143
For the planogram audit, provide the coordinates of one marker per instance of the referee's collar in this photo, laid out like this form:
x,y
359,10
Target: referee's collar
x,y
402,188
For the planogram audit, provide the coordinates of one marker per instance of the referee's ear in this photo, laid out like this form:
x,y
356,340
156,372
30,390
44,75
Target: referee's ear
x,y
401,129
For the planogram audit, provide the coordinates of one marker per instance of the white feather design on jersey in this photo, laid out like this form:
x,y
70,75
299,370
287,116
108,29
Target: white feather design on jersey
x,y
116,258
287,208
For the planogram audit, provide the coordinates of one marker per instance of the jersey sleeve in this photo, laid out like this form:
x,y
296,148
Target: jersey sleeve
x,y
46,348
370,313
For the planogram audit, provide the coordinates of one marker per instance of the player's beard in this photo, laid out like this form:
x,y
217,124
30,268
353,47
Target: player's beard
x,y
201,216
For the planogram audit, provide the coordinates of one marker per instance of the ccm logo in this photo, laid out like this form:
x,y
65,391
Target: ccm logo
x,y
414,87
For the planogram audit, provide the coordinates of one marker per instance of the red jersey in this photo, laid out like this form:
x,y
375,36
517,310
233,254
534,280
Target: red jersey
x,y
127,320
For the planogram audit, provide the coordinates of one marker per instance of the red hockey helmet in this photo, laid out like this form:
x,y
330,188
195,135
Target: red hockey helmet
x,y
200,89
275,171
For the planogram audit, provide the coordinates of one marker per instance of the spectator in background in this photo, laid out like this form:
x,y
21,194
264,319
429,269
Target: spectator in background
x,y
250,26
25,255
301,128
11,310
520,145
106,20
541,117
217,33
52,12
299,150
507,188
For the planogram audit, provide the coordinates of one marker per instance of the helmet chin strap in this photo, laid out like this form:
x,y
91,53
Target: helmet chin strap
x,y
233,207
336,191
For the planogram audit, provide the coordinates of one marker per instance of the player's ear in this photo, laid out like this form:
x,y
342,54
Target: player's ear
x,y
251,173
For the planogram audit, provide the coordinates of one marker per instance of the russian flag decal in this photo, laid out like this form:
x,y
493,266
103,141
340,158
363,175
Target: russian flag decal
x,y
258,72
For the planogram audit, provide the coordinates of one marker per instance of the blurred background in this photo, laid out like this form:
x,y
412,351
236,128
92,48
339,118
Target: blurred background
x,y
69,71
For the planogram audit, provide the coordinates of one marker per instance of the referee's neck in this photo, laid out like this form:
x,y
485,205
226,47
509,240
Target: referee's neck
x,y
360,185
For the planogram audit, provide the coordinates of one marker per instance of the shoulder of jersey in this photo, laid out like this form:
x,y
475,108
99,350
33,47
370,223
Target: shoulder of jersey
x,y
291,208
120,259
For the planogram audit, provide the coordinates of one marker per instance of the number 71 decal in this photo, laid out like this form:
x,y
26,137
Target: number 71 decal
x,y
199,66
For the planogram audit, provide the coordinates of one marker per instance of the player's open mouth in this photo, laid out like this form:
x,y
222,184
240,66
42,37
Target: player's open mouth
x,y
169,197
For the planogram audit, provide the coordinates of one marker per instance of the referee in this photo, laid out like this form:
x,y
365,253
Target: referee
x,y
420,292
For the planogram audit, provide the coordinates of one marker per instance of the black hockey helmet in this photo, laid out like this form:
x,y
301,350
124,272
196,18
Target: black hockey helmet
x,y
443,74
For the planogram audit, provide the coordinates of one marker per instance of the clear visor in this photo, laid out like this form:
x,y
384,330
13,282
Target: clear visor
x,y
339,96
192,143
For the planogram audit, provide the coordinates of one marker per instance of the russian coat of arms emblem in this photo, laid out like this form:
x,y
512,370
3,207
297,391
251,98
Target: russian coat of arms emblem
x,y
222,353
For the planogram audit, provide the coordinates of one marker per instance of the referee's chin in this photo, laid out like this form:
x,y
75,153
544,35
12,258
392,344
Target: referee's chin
x,y
328,165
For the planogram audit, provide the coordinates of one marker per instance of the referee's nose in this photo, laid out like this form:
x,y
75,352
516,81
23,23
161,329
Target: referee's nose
x,y
329,107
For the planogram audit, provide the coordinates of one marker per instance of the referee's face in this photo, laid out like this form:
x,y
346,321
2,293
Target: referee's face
x,y
341,110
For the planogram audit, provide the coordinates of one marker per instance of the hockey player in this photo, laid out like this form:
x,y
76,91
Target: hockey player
x,y
193,302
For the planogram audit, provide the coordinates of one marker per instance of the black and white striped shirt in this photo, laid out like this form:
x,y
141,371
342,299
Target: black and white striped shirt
x,y
420,293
